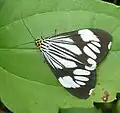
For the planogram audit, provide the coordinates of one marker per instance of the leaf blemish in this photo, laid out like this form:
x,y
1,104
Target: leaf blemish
x,y
105,96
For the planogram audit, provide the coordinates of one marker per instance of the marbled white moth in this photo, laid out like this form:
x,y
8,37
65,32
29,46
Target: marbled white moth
x,y
73,57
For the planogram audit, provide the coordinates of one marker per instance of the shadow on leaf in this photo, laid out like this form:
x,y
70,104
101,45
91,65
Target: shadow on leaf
x,y
3,108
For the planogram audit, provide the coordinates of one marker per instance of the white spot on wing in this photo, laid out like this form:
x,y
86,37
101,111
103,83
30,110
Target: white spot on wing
x,y
90,92
91,61
89,52
64,83
80,83
109,45
96,43
72,48
94,48
88,35
68,82
68,39
64,39
57,37
81,72
81,78
65,62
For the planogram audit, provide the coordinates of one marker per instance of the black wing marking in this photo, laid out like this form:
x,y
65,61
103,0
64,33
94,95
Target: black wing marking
x,y
105,41
67,52
104,37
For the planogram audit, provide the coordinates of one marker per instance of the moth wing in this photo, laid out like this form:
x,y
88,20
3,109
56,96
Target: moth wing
x,y
72,55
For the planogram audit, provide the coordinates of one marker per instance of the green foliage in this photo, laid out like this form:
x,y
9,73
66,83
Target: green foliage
x,y
26,82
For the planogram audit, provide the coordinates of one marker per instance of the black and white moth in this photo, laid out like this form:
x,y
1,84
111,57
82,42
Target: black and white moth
x,y
73,58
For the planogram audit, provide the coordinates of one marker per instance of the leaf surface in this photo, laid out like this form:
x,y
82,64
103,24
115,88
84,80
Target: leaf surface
x,y
26,83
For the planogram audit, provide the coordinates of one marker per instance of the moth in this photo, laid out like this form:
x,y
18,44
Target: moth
x,y
73,57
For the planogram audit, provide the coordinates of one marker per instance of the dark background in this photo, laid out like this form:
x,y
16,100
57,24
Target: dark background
x,y
117,2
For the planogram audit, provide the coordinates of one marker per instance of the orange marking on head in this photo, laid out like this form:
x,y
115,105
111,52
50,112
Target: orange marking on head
x,y
38,43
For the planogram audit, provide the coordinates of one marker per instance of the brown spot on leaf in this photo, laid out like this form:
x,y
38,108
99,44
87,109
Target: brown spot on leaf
x,y
105,96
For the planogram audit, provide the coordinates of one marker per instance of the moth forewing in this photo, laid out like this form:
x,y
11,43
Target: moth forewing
x,y
73,57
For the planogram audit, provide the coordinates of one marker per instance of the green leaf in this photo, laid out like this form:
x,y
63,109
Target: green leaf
x,y
27,85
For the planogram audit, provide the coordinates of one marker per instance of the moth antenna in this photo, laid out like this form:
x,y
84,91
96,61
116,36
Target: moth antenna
x,y
42,38
27,27
21,44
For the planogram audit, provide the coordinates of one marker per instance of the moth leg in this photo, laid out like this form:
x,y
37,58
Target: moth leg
x,y
42,38
45,61
55,32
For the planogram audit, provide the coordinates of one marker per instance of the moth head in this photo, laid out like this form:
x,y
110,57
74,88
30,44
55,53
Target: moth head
x,y
38,43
